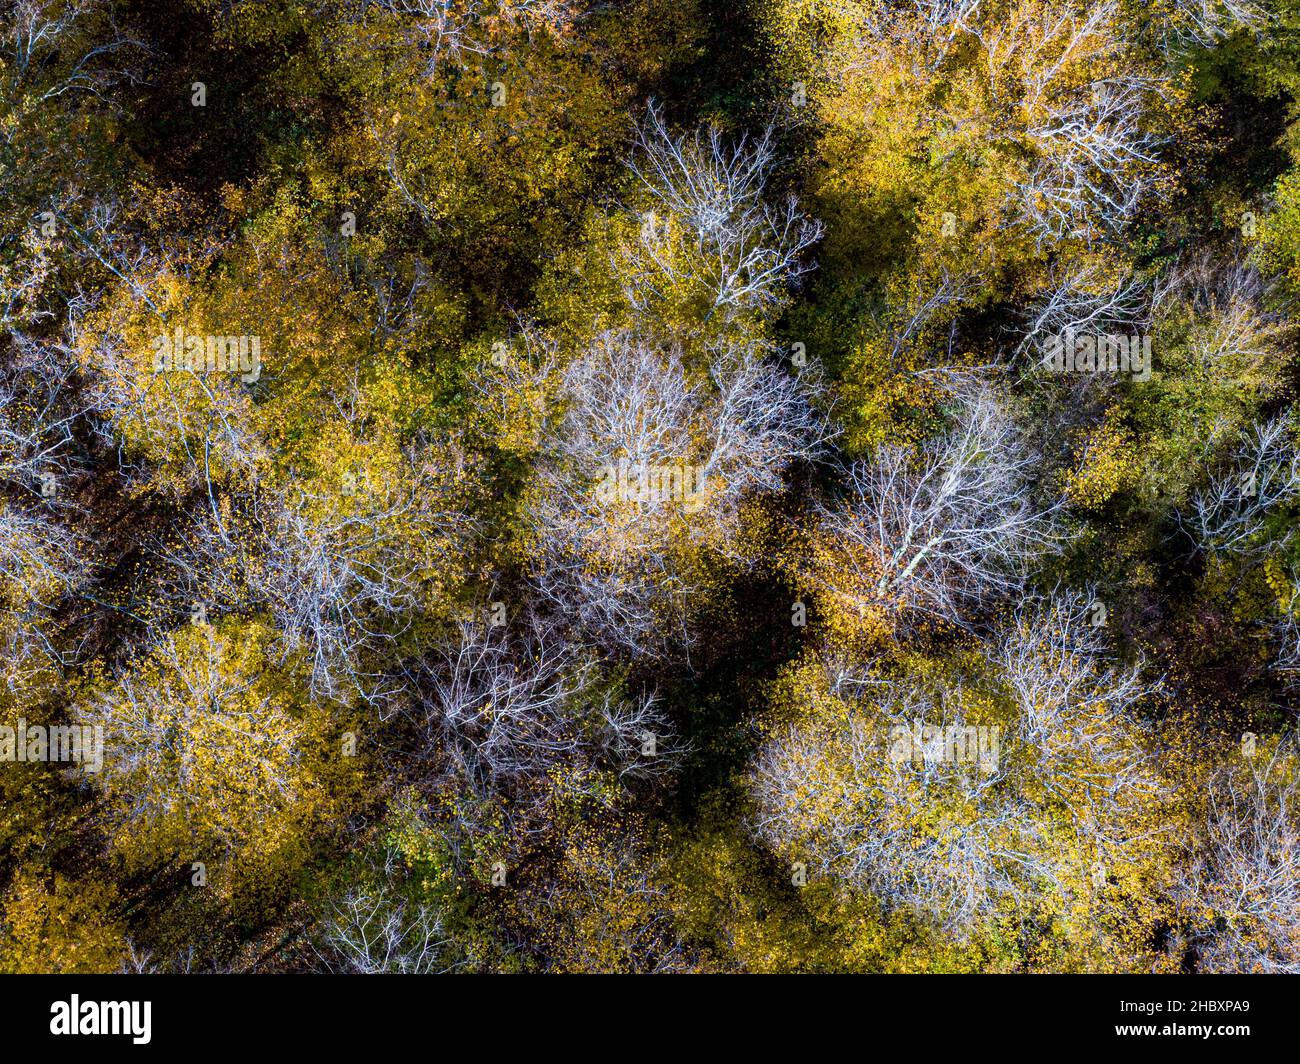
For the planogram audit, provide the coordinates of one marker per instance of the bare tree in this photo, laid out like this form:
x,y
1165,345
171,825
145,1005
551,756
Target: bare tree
x,y
1245,875
1056,664
607,557
830,794
1284,632
1084,298
343,570
502,706
1095,154
371,933
929,30
1226,302
953,527
55,48
371,929
141,962
43,560
40,557
1231,512
932,305
609,910
37,412
1063,95
339,581
444,31
460,32
59,62
1095,164
648,455
707,224
1187,24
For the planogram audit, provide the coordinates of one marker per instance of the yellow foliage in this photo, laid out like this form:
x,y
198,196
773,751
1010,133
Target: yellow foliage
x,y
60,927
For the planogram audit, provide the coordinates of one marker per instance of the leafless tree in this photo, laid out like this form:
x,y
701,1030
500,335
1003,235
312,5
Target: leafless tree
x,y
23,280
734,246
1231,511
1095,152
1055,662
1094,161
929,31
871,840
37,411
501,706
372,929
610,911
610,557
628,398
952,527
372,933
445,31
1083,299
1226,301
912,321
52,50
1284,633
101,238
59,59
205,420
1204,23
338,583
1069,95
458,32
1245,875
342,575
40,557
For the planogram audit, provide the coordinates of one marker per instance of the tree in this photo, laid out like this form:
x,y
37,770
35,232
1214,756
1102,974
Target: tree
x,y
1232,511
645,462
706,228
1219,352
1188,24
208,750
490,123
974,795
935,534
1040,115
1086,298
55,925
60,64
607,907
1242,895
503,709
42,557
371,928
343,576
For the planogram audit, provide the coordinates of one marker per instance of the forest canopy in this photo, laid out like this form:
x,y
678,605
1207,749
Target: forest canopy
x,y
650,486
